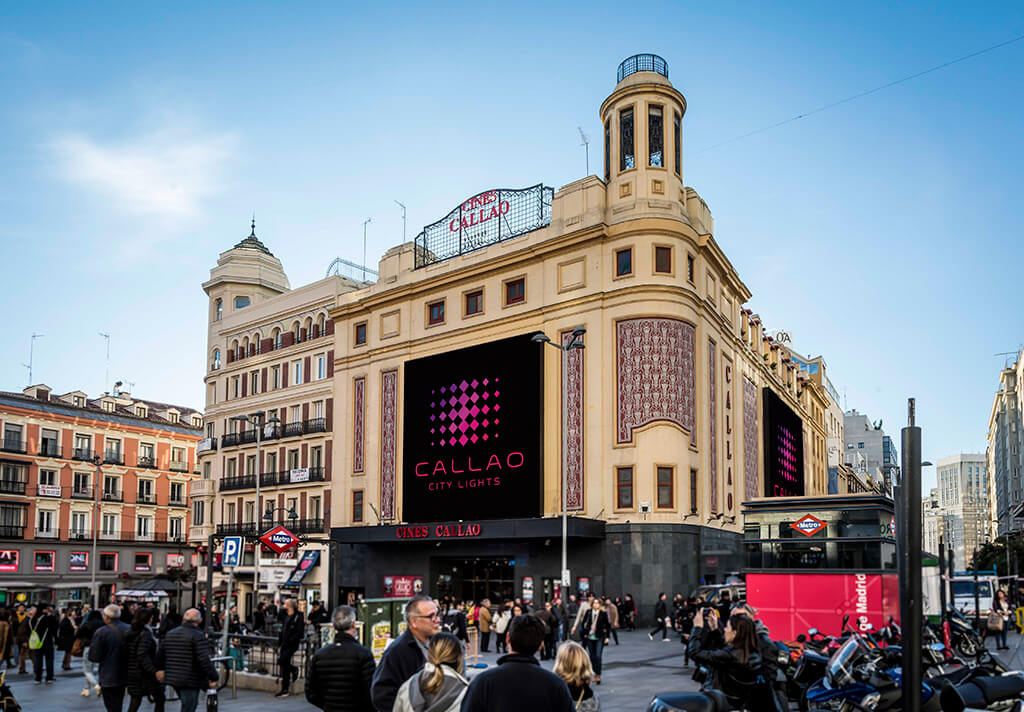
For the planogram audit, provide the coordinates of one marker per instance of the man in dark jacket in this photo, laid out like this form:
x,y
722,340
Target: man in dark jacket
x,y
661,618
169,622
183,661
340,674
23,629
519,682
293,630
319,614
407,654
107,649
44,625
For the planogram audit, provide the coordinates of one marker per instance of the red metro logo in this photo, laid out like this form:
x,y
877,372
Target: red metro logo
x,y
279,539
808,525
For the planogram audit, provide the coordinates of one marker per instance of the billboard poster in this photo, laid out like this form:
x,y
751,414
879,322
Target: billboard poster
x,y
783,448
9,560
78,561
528,589
790,603
306,563
402,586
472,433
298,474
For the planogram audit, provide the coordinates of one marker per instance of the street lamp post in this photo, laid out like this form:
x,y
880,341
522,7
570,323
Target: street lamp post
x,y
576,342
95,523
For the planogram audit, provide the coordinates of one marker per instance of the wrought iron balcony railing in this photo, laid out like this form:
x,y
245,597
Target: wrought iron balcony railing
x,y
179,466
13,445
113,457
112,496
82,453
12,486
147,461
48,448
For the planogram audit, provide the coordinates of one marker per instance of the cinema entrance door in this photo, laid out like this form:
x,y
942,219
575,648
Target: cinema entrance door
x,y
473,579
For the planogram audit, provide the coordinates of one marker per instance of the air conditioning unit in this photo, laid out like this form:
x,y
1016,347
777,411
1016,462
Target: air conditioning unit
x,y
645,508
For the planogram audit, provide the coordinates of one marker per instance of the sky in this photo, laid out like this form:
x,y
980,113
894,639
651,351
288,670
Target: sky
x,y
138,139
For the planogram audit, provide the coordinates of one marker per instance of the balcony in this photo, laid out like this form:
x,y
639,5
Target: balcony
x,y
230,439
206,445
304,526
315,425
147,461
81,492
49,448
79,535
47,533
179,466
249,530
248,436
48,490
82,453
146,498
13,445
202,488
177,503
112,496
12,487
237,483
292,429
113,457
12,531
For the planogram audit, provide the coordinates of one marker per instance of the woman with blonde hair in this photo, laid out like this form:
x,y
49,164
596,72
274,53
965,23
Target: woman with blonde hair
x,y
572,664
439,686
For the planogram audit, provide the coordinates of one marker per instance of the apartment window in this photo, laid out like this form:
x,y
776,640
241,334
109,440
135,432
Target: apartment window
x,y
178,455
146,495
49,443
254,382
663,259
624,487
111,487
108,561
293,459
318,409
693,490
655,136
316,457
296,414
515,291
218,307
690,270
144,527
361,334
275,375
626,158
278,339
236,387
321,367
177,492
198,513
677,138
297,372
48,477
435,313
607,151
250,512
78,401
475,302
357,506
44,523
229,513
174,528
79,524
250,465
666,487
211,430
80,482
107,406
292,504
108,525
83,447
313,508
623,262
271,462
113,453
241,302
232,467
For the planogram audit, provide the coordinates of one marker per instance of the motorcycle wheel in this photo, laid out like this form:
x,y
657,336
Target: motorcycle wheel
x,y
966,647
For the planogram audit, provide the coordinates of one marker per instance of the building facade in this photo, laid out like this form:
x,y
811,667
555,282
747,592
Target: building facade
x,y
449,446
963,501
933,528
1003,451
269,414
117,467
868,450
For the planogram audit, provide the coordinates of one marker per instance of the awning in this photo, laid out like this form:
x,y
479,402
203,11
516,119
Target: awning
x,y
136,593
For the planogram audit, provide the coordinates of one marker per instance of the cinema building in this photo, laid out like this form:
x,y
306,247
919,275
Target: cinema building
x,y
449,415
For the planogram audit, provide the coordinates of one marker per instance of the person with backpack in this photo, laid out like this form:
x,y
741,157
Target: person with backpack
x,y
107,648
41,641
140,646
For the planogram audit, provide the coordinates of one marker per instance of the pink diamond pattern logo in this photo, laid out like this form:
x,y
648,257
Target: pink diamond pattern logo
x,y
463,410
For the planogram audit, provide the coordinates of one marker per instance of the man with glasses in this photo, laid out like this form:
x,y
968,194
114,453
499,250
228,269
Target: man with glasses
x,y
407,654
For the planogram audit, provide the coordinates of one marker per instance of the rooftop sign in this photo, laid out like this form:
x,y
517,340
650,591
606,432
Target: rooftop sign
x,y
484,219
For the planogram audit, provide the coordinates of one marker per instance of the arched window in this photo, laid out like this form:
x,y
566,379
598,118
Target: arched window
x,y
245,347
277,338
256,339
216,359
308,327
218,307
241,302
321,323
297,330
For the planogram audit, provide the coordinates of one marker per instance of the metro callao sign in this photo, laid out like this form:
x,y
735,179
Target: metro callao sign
x,y
279,539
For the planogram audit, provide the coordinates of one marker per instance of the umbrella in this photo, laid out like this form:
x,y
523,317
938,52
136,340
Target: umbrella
x,y
156,584
140,593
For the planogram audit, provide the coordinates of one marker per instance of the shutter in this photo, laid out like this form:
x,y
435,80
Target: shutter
x,y
329,327
306,375
302,504
263,381
287,339
330,363
239,513
305,412
266,345
302,335
284,374
230,354
329,415
327,459
304,456
245,384
326,508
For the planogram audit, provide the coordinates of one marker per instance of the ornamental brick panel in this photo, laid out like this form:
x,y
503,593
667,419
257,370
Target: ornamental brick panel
x,y
388,442
574,412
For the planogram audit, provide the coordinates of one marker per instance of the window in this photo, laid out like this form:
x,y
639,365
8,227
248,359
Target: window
x,y
108,561
693,490
316,458
177,492
254,382
108,525
113,452
515,291
250,465
198,513
44,561
111,487
143,562
663,259
146,495
79,525
297,371
860,446
236,387
211,430
321,367
361,334
47,478
271,462
293,459
250,512
357,506
690,269
655,136
174,528
666,487
78,401
44,523
474,302
318,409
313,508
624,487
49,443
277,338
626,158
229,513
218,309
144,527
296,414
435,313
83,447
623,262
677,145
275,376
80,483
241,302
108,406
232,466
607,151
146,456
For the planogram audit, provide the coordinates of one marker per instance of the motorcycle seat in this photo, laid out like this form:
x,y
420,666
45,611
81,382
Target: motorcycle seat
x,y
981,692
708,701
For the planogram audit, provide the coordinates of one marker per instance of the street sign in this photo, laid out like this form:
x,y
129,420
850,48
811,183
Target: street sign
x,y
232,551
279,539
566,577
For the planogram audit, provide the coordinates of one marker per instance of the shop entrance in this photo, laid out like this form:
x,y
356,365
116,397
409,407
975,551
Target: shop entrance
x,y
474,579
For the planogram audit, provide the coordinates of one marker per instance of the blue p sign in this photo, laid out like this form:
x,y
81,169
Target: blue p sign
x,y
232,551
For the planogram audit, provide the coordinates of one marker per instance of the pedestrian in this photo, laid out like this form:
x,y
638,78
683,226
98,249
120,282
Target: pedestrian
x,y
42,640
140,648
769,651
561,614
660,617
573,666
6,636
168,622
22,636
319,614
547,617
724,604
500,626
127,612
293,630
455,622
92,622
407,654
596,630
999,619
66,637
183,661
485,626
613,618
571,609
439,686
519,682
630,605
340,674
259,617
735,669
107,649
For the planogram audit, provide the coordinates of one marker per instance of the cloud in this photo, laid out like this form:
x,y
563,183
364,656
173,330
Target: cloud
x,y
163,173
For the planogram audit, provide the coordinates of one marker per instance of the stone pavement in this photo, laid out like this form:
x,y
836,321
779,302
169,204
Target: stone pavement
x,y
633,672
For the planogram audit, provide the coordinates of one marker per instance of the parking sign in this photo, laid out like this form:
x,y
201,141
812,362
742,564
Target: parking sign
x,y
232,551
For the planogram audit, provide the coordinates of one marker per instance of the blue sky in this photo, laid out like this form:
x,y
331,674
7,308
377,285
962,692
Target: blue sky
x,y
138,139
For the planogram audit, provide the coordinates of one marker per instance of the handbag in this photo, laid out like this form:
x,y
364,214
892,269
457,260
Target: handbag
x,y
77,648
995,621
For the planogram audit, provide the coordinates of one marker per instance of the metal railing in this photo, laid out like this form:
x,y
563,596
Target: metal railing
x,y
179,502
178,466
230,439
12,531
145,498
81,492
642,63
292,429
113,457
315,425
260,654
112,496
50,449
270,479
237,483
82,453
130,536
12,486
13,445
147,461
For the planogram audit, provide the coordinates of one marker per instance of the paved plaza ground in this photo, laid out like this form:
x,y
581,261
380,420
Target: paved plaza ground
x,y
633,672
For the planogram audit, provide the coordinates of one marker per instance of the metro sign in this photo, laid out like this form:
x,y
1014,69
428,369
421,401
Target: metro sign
x,y
808,525
279,539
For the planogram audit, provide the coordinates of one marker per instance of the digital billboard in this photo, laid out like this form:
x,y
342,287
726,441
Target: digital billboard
x,y
783,448
472,433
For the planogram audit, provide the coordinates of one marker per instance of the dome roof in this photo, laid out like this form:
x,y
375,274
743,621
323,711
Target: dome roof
x,y
253,243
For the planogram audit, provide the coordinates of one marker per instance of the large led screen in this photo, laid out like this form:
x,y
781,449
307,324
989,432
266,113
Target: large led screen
x,y
783,448
472,433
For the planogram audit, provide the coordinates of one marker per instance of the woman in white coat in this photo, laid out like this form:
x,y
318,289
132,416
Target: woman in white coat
x,y
439,686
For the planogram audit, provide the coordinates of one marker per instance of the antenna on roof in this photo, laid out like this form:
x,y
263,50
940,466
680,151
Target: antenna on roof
x,y
31,350
402,206
365,223
106,375
586,146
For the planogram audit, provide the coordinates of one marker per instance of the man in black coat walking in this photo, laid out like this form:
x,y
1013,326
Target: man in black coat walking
x,y
661,618
340,674
107,649
519,682
183,661
407,654
293,630
44,625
